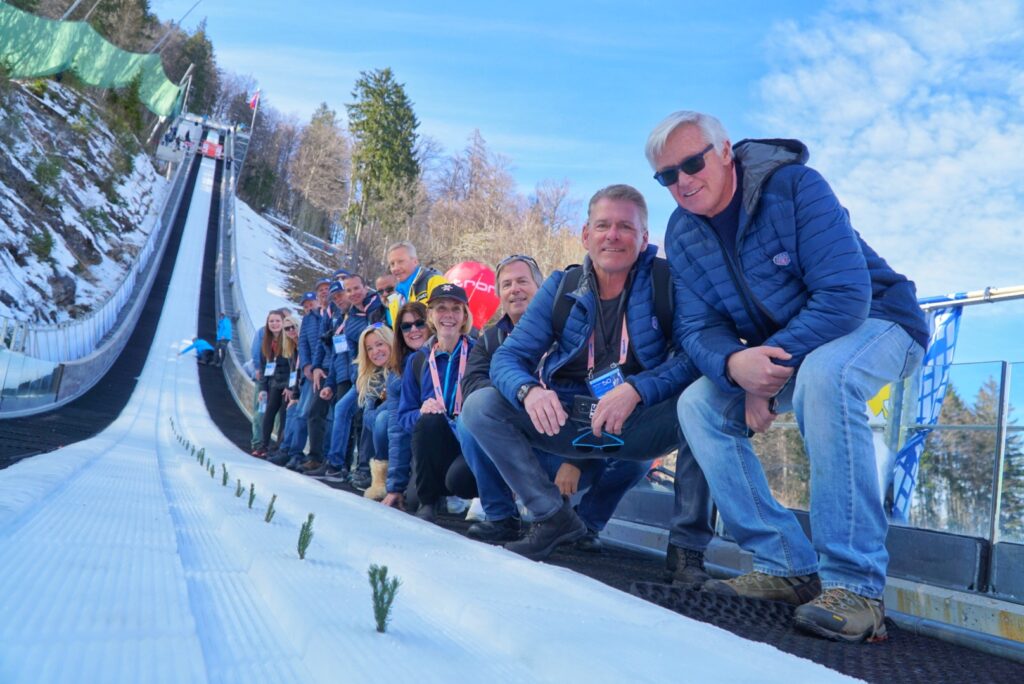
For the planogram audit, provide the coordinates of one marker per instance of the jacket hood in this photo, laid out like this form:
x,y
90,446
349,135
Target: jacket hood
x,y
762,158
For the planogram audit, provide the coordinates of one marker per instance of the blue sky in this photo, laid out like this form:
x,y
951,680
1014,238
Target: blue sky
x,y
914,111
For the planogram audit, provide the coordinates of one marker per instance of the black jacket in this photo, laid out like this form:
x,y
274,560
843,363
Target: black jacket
x,y
478,367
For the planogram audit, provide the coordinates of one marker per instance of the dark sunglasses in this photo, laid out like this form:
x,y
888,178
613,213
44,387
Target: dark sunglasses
x,y
289,328
418,323
691,166
388,290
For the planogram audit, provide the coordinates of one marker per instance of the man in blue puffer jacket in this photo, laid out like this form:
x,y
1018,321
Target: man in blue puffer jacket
x,y
609,366
784,307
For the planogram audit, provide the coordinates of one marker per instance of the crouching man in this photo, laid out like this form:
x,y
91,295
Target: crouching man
x,y
610,383
783,306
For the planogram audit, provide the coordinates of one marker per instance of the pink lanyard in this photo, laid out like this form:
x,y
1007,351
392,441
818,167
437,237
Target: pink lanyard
x,y
623,348
438,394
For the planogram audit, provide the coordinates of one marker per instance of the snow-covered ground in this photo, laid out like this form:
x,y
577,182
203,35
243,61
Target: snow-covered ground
x,y
77,202
124,561
266,255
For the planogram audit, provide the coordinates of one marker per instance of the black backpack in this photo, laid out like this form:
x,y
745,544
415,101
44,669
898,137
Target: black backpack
x,y
661,278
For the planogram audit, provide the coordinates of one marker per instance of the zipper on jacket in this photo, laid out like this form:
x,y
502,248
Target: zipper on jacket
x,y
742,289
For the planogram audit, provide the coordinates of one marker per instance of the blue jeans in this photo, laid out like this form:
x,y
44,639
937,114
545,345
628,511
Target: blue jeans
x,y
606,481
297,429
344,411
829,397
507,436
375,434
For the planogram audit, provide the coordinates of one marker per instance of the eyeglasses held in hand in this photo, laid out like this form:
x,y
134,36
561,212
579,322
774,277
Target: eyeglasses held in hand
x,y
691,166
586,442
418,323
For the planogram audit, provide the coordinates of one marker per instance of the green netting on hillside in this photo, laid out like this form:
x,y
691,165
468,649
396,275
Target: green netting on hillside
x,y
34,46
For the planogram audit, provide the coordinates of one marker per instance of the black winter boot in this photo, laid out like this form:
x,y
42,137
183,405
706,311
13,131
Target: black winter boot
x,y
544,536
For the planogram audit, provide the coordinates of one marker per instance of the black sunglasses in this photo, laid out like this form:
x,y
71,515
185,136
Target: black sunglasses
x,y
289,328
418,323
691,166
387,290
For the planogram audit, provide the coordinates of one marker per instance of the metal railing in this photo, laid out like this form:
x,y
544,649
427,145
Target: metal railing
x,y
230,298
79,338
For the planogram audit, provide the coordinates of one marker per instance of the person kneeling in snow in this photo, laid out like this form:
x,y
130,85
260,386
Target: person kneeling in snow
x,y
204,350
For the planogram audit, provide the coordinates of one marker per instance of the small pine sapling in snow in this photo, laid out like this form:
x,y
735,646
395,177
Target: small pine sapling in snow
x,y
223,475
239,489
213,471
202,452
270,509
252,493
305,536
384,591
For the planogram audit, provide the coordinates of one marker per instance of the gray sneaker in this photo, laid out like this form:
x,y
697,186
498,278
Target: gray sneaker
x,y
841,615
764,587
685,568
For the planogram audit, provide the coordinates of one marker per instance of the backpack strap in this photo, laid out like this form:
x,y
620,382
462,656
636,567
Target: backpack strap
x,y
661,278
563,304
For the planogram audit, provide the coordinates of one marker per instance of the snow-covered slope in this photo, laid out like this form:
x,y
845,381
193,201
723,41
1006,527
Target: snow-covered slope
x,y
77,202
123,560
268,260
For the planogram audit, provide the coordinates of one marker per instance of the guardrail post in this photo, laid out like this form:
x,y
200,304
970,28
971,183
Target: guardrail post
x,y
998,468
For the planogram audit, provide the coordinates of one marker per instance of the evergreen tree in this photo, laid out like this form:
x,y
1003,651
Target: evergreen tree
x,y
384,162
198,50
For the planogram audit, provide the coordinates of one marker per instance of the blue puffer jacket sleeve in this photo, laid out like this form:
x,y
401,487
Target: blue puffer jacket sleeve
x,y
514,361
399,441
835,272
410,402
707,337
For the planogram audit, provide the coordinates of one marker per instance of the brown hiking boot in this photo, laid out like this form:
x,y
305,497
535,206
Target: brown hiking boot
x,y
685,568
841,615
764,587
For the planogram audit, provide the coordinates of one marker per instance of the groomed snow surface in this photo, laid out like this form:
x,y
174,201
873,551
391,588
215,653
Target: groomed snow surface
x,y
122,560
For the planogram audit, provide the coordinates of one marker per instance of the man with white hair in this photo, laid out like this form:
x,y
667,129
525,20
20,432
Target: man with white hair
x,y
414,283
784,307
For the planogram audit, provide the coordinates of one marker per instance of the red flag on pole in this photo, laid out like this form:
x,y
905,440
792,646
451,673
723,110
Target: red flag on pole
x,y
255,100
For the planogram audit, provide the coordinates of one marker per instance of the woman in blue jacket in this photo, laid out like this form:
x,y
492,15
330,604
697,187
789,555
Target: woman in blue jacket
x,y
411,333
432,398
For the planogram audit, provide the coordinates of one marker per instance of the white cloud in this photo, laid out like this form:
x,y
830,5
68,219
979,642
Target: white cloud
x,y
913,112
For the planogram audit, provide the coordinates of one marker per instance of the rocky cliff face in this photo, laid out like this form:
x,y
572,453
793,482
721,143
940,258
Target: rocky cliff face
x,y
77,202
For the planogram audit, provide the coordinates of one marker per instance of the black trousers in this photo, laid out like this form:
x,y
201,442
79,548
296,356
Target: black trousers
x,y
275,405
438,468
317,420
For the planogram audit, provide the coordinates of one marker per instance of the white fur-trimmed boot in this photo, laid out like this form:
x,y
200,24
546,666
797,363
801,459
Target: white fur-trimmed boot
x,y
378,480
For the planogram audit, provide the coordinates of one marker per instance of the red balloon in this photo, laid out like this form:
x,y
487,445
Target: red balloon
x,y
478,281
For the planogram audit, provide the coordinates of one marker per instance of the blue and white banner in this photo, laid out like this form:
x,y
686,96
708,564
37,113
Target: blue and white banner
x,y
945,324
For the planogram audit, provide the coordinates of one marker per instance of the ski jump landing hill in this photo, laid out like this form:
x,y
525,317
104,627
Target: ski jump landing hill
x,y
123,560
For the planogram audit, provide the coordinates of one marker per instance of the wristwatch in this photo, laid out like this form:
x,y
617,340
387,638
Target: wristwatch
x,y
524,389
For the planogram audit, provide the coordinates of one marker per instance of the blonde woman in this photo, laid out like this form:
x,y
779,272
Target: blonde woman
x,y
432,399
289,431
373,375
